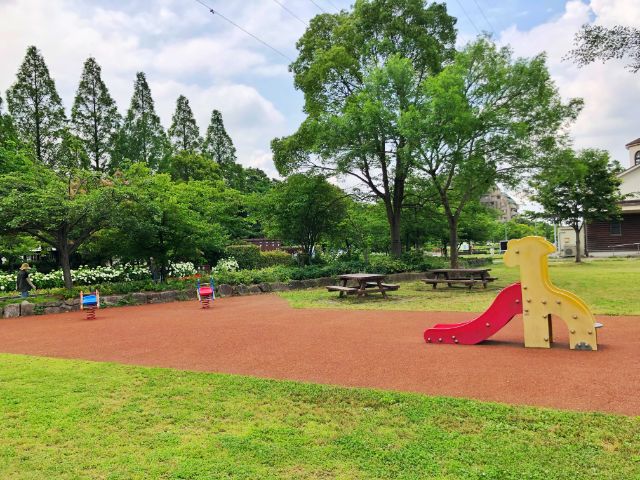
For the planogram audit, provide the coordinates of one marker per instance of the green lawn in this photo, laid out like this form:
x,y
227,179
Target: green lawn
x,y
64,419
608,286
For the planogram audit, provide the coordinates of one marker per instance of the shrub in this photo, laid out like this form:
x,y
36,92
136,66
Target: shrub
x,y
228,264
275,257
247,256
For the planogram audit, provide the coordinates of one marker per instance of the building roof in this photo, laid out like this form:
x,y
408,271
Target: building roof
x,y
629,170
633,142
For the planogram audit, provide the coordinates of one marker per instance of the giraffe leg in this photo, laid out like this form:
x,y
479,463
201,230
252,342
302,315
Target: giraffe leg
x,y
537,331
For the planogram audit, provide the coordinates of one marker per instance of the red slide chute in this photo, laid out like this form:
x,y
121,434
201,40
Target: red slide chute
x,y
506,305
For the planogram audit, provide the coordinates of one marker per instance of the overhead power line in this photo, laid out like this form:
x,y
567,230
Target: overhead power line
x,y
484,16
291,13
333,5
217,13
468,17
321,9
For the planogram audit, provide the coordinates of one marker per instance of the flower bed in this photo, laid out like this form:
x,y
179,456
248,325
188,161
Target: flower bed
x,y
94,276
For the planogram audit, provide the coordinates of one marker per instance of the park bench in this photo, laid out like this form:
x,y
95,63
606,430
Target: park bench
x,y
342,290
459,276
367,283
387,286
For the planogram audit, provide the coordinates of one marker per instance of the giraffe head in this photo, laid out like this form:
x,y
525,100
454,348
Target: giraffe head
x,y
538,247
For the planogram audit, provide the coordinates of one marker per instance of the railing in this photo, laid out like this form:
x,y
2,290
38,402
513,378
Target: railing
x,y
613,252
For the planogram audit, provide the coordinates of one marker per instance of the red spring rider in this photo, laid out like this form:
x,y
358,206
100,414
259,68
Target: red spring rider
x,y
206,293
90,302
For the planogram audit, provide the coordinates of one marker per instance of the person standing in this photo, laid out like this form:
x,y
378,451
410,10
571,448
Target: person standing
x,y
23,282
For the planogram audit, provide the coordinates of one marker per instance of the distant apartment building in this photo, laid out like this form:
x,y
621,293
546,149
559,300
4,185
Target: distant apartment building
x,y
502,202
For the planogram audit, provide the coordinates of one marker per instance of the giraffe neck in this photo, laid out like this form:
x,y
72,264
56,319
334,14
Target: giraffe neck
x,y
535,273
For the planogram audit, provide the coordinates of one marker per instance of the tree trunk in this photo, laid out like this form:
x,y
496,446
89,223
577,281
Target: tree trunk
x,y
65,263
453,241
393,216
578,246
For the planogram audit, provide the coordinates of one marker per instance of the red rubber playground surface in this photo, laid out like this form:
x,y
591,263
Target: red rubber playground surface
x,y
262,336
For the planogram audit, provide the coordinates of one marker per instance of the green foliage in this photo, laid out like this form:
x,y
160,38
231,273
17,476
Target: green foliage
x,y
217,142
247,256
303,210
62,211
142,138
486,118
94,116
36,107
184,134
574,187
275,258
157,218
360,72
189,165
14,153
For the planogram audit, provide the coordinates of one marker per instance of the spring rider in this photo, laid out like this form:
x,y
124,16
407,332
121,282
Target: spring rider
x,y
90,302
206,293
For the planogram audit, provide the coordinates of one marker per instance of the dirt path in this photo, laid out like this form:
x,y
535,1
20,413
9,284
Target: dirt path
x,y
262,336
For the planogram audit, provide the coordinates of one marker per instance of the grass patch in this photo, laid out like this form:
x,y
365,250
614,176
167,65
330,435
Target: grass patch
x,y
36,299
68,419
608,286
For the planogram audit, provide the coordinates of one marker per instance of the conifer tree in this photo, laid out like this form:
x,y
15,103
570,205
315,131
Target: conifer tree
x,y
36,107
217,143
184,134
94,116
142,138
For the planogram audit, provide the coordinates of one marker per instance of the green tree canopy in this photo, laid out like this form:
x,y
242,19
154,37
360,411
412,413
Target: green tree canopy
x,y
142,138
94,116
36,107
184,134
217,142
303,209
577,187
360,73
485,118
62,211
157,219
186,166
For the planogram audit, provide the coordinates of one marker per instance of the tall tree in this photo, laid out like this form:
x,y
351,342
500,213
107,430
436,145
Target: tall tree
x,y
217,142
36,107
360,73
595,42
303,209
578,187
142,138
184,134
156,219
486,118
61,210
94,116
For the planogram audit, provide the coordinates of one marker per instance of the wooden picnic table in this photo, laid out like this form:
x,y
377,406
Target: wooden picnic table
x,y
464,276
367,283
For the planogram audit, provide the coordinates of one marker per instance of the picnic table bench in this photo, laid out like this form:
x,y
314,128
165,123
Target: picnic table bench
x,y
366,283
459,276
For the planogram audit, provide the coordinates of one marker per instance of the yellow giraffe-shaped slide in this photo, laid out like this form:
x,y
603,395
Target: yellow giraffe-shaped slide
x,y
540,299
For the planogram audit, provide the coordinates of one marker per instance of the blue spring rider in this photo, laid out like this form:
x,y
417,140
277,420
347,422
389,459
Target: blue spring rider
x,y
206,293
90,302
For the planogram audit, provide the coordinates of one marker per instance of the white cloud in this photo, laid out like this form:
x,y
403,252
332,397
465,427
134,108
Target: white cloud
x,y
610,118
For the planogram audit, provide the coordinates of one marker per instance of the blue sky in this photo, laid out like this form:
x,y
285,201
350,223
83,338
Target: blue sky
x,y
183,49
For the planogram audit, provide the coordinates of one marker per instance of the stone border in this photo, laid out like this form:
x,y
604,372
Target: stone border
x,y
26,308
